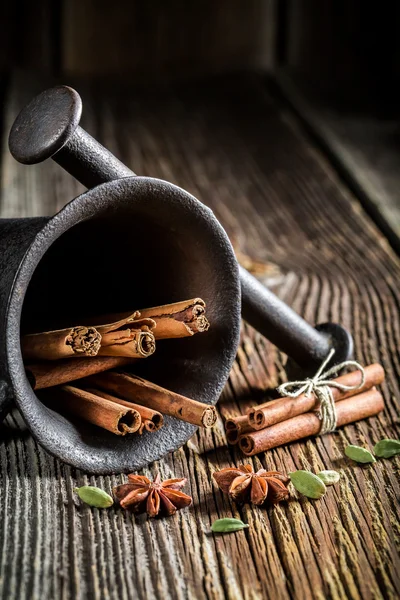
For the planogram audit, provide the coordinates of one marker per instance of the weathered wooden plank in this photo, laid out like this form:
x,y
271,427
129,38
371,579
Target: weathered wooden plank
x,y
362,145
234,147
160,40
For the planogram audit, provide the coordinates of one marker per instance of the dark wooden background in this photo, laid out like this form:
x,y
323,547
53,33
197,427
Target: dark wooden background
x,y
305,182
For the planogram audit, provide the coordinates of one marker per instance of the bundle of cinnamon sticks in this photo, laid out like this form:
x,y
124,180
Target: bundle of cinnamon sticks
x,y
131,334
84,357
289,419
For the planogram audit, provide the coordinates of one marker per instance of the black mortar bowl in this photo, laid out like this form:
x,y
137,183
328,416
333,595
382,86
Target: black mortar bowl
x,y
128,242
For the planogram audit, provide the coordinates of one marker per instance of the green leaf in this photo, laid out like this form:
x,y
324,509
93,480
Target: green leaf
x,y
308,484
387,448
227,525
361,455
329,477
94,496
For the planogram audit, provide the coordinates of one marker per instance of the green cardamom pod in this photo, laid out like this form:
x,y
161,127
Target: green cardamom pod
x,y
387,448
329,477
308,484
94,496
227,525
359,454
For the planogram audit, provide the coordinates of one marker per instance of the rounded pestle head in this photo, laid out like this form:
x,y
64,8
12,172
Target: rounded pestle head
x,y
45,125
340,339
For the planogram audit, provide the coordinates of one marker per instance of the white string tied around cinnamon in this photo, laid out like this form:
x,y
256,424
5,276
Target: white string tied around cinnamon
x,y
321,385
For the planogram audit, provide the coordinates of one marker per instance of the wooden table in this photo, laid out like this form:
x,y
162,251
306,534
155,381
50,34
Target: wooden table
x,y
241,150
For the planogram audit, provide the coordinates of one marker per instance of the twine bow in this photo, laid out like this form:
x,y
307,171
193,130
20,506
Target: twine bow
x,y
321,386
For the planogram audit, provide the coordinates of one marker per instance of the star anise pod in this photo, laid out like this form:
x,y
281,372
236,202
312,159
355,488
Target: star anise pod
x,y
154,497
244,485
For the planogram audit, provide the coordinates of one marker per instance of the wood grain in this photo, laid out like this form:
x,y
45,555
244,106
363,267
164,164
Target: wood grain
x,y
158,40
363,145
239,151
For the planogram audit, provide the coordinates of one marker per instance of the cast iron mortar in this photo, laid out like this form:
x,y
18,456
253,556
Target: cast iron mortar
x,y
128,242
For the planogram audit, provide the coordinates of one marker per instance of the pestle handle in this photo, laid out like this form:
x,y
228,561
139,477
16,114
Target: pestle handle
x,y
308,346
89,162
49,127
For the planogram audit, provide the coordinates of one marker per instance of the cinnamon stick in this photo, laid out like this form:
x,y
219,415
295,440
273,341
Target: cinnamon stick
x,y
45,374
282,409
140,391
180,319
96,410
358,407
62,343
152,420
176,320
136,341
237,426
148,425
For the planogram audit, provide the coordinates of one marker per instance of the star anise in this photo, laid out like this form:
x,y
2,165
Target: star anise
x,y
154,497
244,485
